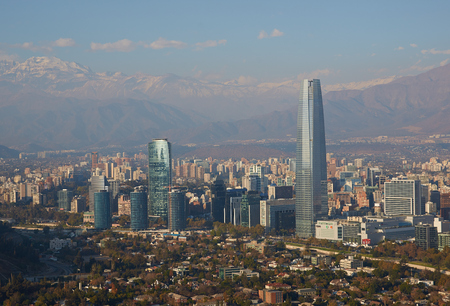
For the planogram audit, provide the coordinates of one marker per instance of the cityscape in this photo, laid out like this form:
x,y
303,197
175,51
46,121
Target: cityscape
x,y
218,154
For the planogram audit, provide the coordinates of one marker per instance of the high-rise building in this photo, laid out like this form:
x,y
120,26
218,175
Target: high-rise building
x,y
98,182
78,204
159,177
94,156
218,199
102,211
426,236
64,199
403,197
311,167
177,210
250,209
139,211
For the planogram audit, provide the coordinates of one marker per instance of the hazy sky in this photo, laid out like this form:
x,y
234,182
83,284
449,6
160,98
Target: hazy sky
x,y
337,41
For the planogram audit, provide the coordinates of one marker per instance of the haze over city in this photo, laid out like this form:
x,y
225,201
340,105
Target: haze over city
x,y
224,153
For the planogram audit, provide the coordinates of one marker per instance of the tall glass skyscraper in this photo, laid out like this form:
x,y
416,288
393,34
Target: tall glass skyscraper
x,y
177,210
311,168
139,211
159,177
102,210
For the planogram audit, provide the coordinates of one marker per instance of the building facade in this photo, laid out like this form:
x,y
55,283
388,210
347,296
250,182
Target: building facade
x,y
64,199
218,199
159,177
403,197
98,182
177,210
139,211
102,210
311,168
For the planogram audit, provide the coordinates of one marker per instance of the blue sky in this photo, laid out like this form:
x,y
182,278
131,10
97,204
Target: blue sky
x,y
337,41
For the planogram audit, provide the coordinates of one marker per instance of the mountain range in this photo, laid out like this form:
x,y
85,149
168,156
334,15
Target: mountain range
x,y
55,104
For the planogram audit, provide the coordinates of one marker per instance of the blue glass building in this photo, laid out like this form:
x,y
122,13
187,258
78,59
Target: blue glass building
x,y
177,210
102,210
311,169
64,199
159,177
139,212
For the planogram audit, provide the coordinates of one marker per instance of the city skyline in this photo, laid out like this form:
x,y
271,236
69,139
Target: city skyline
x,y
311,166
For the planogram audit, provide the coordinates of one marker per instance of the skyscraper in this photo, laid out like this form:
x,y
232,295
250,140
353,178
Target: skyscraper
x,y
403,197
98,182
139,211
64,199
159,177
311,168
102,212
218,199
177,210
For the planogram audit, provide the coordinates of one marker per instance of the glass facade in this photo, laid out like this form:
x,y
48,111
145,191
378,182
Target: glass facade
x,y
250,209
177,210
311,168
218,199
403,197
102,210
98,182
159,177
139,211
64,199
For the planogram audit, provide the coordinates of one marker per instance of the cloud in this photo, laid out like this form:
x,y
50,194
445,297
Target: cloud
x,y
276,33
45,46
434,51
416,67
124,45
210,43
262,34
162,43
314,74
444,62
63,42
399,48
32,47
413,45
246,80
8,57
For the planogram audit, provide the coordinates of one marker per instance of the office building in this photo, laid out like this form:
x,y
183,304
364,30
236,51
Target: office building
x,y
277,214
218,198
177,210
426,236
403,197
250,210
280,192
78,204
98,183
444,202
64,199
311,169
102,210
139,210
232,212
443,240
159,177
259,171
